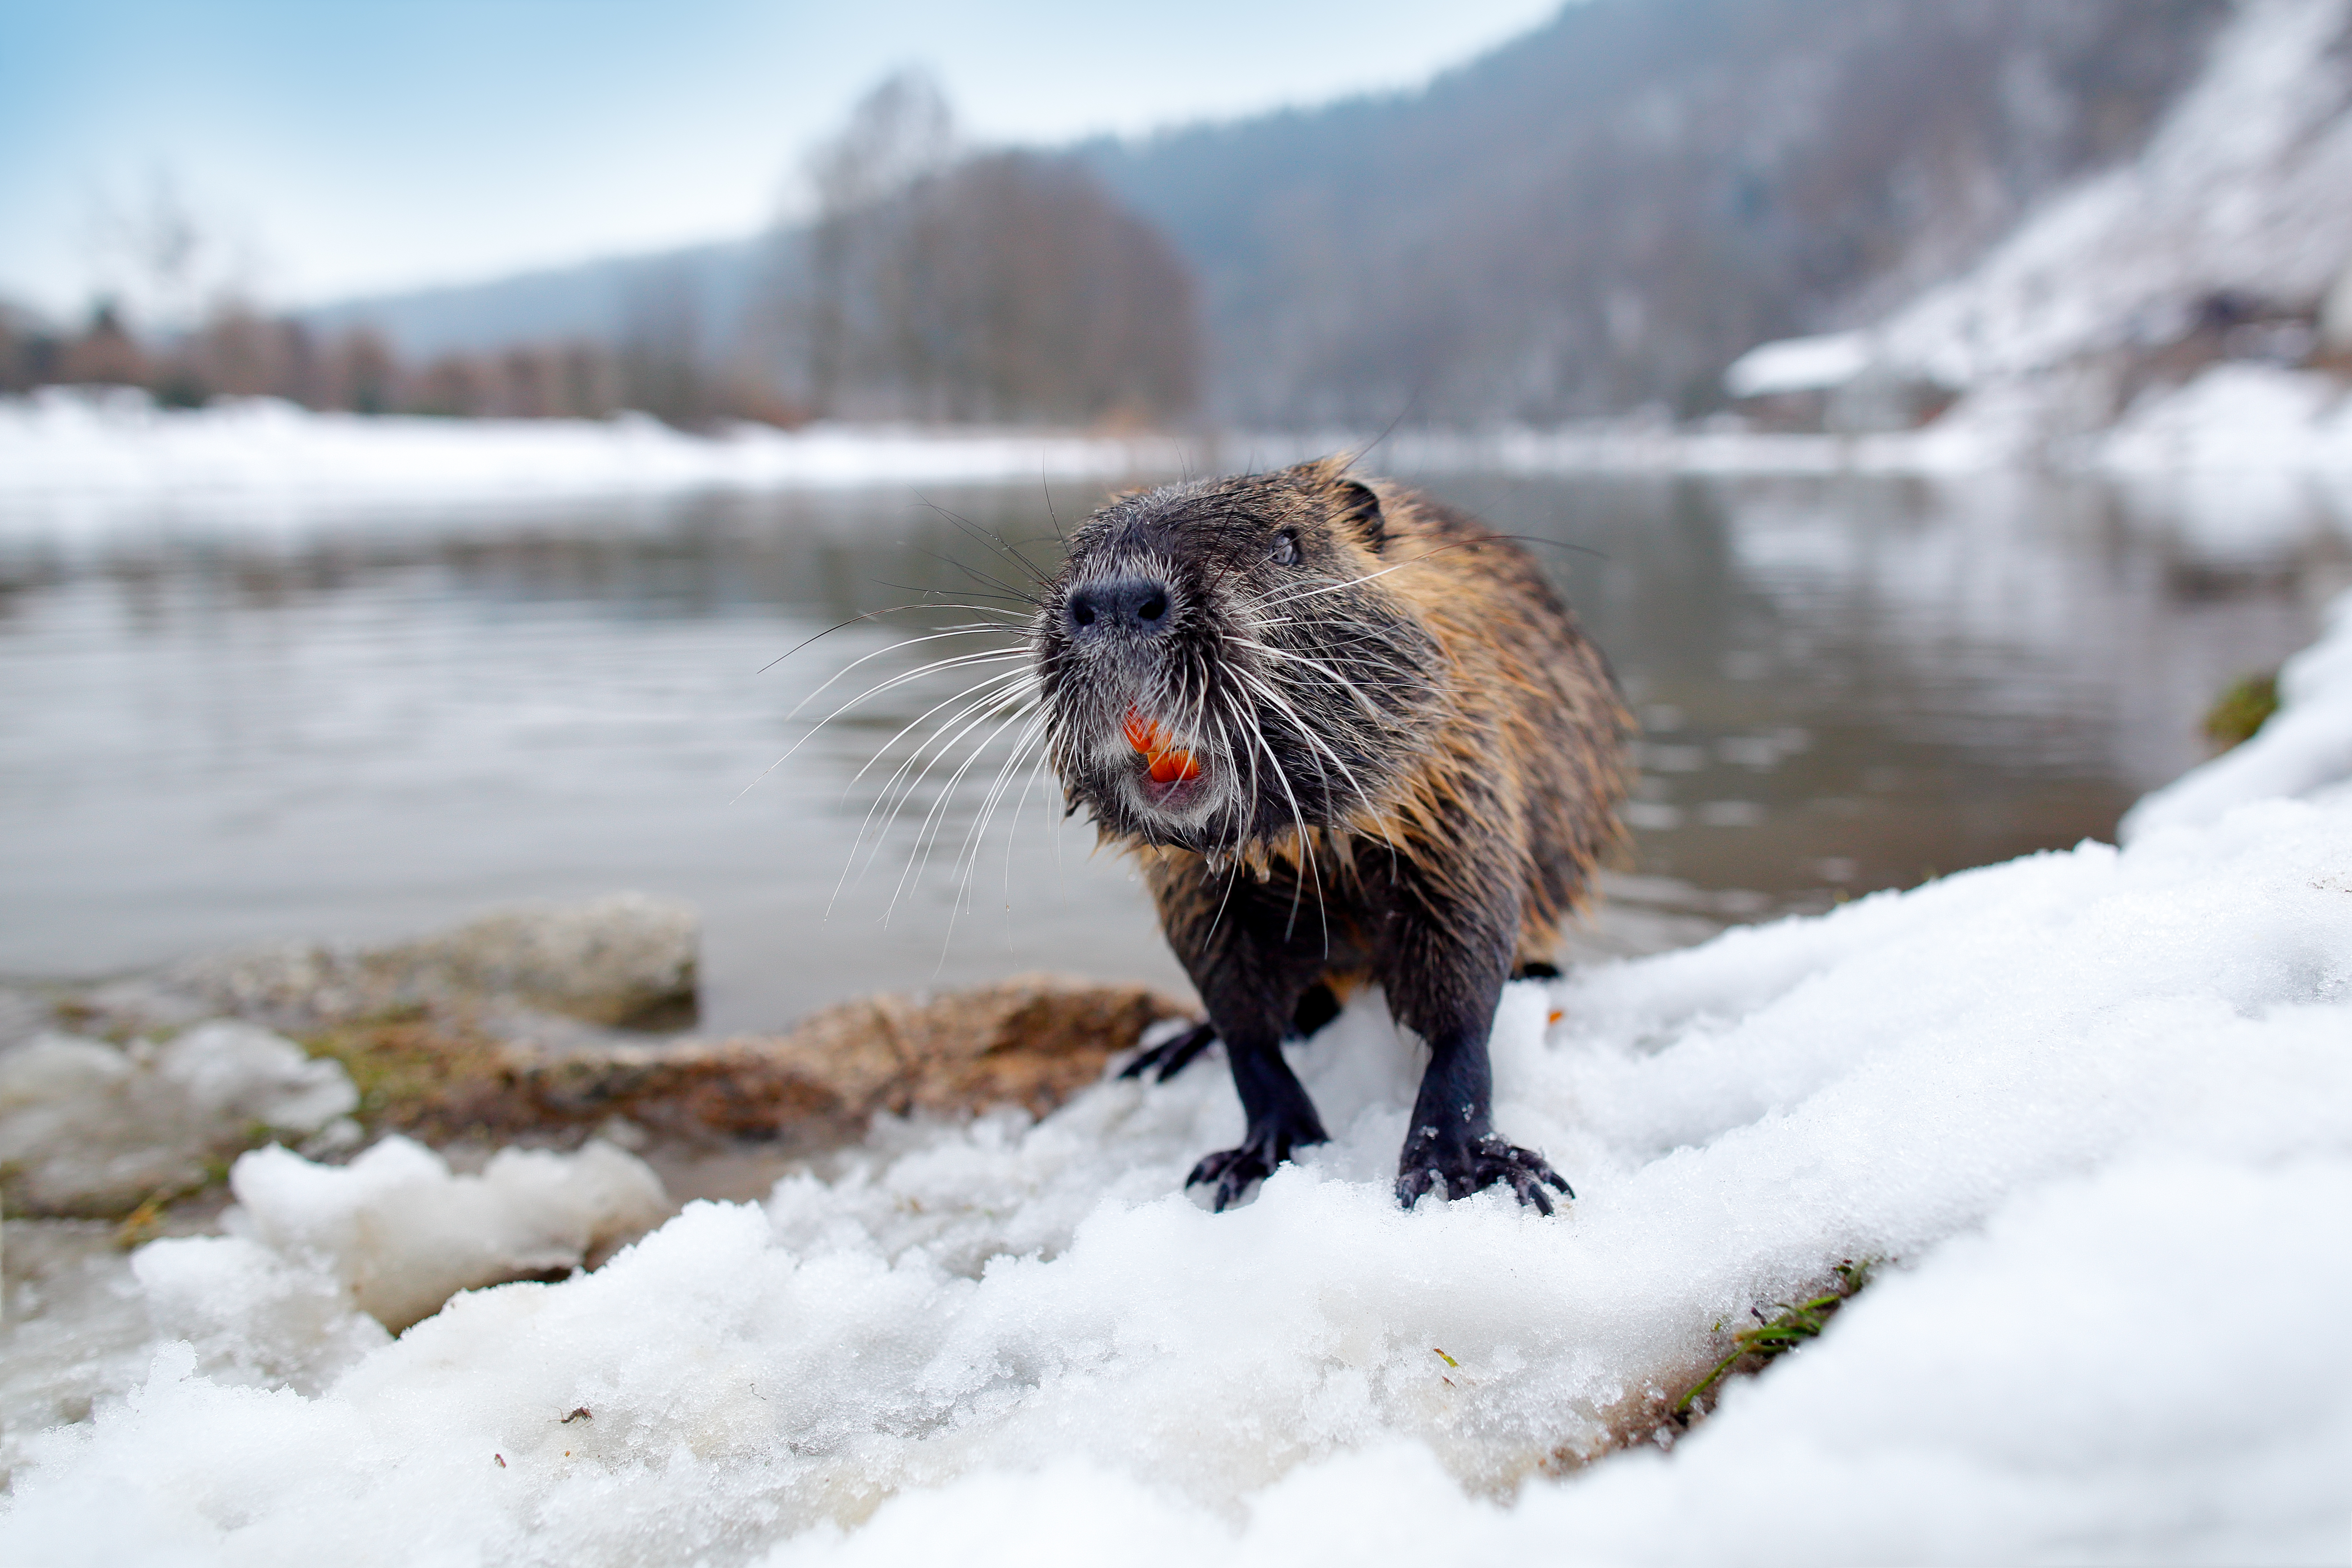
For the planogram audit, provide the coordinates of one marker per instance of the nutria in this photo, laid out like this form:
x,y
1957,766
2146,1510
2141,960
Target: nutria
x,y
1351,734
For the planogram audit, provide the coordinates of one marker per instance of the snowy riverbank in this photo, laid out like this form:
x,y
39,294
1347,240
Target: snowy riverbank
x,y
72,460
77,465
2093,1109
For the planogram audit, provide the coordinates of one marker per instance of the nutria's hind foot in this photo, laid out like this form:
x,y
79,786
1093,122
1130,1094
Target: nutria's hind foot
x,y
1462,1167
1173,1055
1234,1171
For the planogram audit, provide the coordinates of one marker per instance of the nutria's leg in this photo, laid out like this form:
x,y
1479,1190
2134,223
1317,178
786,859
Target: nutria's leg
x,y
1317,1006
1173,1055
1280,1118
1239,942
1444,974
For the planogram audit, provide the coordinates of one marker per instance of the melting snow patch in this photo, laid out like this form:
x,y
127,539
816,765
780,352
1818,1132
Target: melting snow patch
x,y
399,1234
1799,364
2096,1106
87,1126
77,462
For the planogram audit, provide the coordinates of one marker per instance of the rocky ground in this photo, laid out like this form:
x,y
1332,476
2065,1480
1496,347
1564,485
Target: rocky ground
x,y
561,1034
534,1025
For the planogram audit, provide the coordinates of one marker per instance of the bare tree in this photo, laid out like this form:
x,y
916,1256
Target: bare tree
x,y
105,354
1039,298
661,357
361,374
900,132
1004,285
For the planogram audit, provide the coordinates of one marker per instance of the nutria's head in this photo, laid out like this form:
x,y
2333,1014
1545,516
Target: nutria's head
x,y
1225,661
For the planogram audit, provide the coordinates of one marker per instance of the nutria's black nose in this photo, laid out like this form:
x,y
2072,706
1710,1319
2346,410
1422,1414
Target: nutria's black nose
x,y
1137,605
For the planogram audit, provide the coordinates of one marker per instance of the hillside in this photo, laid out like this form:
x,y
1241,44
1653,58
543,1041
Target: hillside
x,y
2191,306
1608,210
2233,226
1598,215
596,300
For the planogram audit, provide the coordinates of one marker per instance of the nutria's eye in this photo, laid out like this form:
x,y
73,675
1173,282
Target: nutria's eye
x,y
1286,549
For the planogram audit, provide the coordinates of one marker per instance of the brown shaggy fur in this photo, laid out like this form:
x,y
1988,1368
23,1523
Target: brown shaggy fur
x,y
1412,760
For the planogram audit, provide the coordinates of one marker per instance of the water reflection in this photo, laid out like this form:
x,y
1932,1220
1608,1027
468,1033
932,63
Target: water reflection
x,y
364,729
1847,684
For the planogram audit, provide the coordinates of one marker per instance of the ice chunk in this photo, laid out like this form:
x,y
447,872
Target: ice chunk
x,y
402,1234
235,1073
87,1127
73,1330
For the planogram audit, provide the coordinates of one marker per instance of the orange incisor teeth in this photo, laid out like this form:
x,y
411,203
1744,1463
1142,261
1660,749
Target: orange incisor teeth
x,y
1170,762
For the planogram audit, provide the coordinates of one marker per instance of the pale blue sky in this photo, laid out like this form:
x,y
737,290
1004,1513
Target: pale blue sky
x,y
342,146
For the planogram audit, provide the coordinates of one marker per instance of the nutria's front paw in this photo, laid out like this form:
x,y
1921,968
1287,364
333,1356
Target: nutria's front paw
x,y
1235,1171
1463,1166
1173,1055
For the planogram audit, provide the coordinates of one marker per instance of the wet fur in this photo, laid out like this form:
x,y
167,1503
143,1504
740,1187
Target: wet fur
x,y
1413,764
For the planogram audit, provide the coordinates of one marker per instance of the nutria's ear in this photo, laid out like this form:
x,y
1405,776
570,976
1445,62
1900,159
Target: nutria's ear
x,y
1328,470
1357,508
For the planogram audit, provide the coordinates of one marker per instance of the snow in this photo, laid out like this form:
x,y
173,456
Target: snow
x,y
94,1126
1950,1424
121,467
400,1234
75,468
2236,416
2095,1108
2237,193
79,460
2305,747
1799,364
2237,189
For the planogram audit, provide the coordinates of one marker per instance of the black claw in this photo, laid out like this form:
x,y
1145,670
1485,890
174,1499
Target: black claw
x,y
1467,1167
1237,1171
1234,1171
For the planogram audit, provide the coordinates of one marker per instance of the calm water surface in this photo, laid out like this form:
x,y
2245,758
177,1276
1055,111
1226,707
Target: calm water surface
x,y
367,727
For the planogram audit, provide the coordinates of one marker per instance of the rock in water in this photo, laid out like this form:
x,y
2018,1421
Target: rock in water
x,y
625,961
1032,1041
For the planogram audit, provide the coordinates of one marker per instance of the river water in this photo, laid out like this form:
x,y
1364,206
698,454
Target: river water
x,y
363,727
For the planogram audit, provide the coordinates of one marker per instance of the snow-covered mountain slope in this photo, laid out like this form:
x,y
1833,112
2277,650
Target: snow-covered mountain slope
x,y
2245,188
2161,315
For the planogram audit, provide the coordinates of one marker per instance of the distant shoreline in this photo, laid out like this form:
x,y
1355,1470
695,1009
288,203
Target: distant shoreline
x,y
76,460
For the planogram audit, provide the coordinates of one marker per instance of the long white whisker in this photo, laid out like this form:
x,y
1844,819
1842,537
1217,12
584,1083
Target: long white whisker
x,y
891,795
926,836
994,655
968,857
879,652
928,754
997,679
